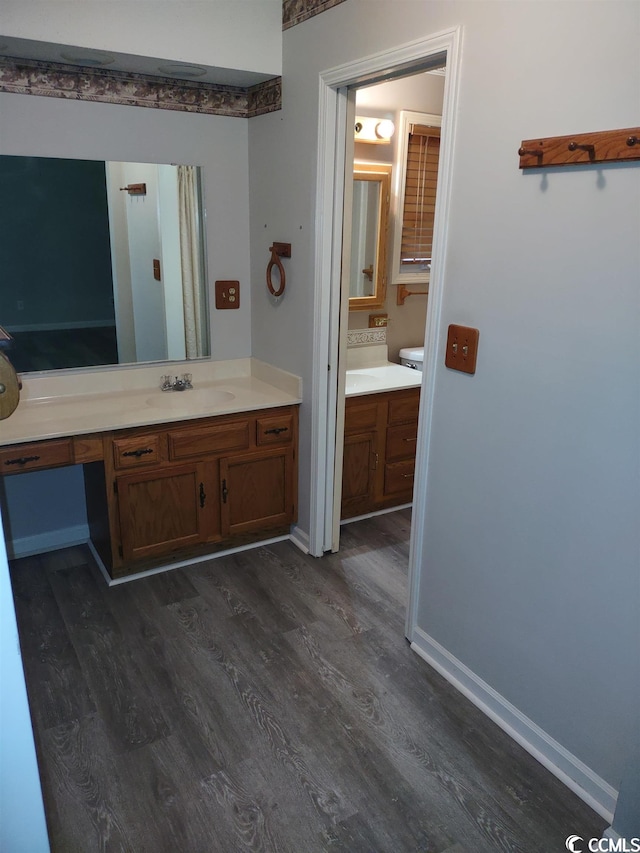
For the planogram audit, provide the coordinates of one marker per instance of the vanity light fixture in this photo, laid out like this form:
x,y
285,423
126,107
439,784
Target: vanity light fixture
x,y
374,130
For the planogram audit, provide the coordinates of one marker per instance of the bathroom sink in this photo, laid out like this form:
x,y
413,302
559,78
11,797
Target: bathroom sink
x,y
381,377
194,398
360,381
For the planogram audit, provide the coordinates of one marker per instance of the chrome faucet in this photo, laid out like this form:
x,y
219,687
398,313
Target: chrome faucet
x,y
177,384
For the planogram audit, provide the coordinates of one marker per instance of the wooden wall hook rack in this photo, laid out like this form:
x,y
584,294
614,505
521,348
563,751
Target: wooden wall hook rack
x,y
606,146
134,189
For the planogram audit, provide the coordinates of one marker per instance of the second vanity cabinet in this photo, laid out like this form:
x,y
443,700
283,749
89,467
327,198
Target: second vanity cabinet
x,y
379,451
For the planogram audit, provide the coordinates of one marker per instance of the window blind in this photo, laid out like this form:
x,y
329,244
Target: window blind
x,y
423,152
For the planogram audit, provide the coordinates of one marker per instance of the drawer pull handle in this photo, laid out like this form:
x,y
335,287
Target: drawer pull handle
x,y
225,491
276,430
410,439
139,452
407,476
203,496
22,460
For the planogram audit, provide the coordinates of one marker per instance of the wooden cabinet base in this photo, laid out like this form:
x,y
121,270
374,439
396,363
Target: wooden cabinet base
x,y
183,490
379,451
165,493
194,552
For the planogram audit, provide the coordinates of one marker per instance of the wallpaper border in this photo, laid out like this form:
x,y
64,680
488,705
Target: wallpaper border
x,y
296,11
57,80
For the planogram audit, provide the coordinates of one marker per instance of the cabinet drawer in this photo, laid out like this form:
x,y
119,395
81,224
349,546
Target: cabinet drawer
x,y
398,477
404,407
36,455
212,439
360,416
401,442
136,451
277,429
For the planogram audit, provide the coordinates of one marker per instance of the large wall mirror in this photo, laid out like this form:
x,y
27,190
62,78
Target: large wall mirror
x,y
369,232
101,263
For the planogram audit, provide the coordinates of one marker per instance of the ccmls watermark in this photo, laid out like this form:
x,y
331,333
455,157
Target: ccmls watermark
x,y
577,844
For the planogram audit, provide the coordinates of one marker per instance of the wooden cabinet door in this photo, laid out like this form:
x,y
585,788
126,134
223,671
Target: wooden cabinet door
x,y
257,491
166,509
359,473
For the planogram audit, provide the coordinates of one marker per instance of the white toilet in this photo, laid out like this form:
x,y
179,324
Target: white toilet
x,y
412,357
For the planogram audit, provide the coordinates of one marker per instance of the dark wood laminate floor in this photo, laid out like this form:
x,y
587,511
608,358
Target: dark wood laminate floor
x,y
266,701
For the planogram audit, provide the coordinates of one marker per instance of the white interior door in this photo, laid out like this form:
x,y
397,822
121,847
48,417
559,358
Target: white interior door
x,y
347,209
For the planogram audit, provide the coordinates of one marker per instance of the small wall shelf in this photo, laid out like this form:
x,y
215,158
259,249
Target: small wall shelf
x,y
607,146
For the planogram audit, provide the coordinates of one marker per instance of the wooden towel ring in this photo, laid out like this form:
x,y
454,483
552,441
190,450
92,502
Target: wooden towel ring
x,y
278,250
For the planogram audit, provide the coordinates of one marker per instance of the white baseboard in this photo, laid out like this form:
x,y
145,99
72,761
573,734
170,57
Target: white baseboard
x,y
592,789
377,512
180,564
52,540
300,538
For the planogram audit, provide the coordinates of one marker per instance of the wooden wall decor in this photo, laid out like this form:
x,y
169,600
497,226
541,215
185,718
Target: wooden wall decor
x,y
607,146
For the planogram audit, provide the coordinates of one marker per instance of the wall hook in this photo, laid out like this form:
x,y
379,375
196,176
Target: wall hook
x,y
576,146
278,250
530,152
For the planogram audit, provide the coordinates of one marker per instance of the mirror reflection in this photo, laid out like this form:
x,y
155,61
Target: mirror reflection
x,y
101,263
369,225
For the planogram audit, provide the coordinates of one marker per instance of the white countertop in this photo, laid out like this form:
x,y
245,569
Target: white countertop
x,y
66,403
369,372
385,377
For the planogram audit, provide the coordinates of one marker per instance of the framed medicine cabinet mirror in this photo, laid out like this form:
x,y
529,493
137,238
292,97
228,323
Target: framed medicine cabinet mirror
x,y
369,232
103,263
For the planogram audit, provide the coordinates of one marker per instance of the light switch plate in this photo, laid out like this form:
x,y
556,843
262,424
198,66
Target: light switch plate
x,y
227,294
462,348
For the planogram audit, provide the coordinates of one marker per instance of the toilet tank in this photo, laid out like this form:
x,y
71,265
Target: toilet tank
x,y
412,357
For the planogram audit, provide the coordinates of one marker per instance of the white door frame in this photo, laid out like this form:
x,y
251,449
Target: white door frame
x,y
327,434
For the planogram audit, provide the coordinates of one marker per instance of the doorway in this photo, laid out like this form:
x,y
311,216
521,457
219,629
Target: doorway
x,y
336,115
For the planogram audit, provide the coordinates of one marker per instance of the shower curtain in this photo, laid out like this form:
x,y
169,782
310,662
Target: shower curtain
x,y
191,260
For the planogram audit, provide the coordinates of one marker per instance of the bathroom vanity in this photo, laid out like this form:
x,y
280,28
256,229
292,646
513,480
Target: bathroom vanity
x,y
168,475
380,432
